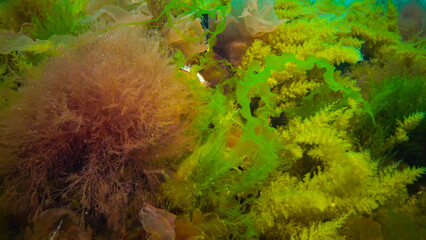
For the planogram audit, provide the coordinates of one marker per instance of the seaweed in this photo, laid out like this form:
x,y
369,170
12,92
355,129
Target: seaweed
x,y
60,17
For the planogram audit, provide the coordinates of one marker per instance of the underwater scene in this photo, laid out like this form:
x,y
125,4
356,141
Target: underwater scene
x,y
212,119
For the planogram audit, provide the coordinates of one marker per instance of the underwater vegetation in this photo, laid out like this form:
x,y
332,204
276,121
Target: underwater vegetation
x,y
105,117
215,119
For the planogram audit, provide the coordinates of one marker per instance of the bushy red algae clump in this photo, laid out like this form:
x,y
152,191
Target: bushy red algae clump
x,y
101,126
411,21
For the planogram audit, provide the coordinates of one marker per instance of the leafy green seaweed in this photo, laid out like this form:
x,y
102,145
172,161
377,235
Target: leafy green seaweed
x,y
63,17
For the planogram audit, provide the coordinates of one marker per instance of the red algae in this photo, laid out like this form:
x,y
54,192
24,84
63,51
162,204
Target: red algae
x,y
91,132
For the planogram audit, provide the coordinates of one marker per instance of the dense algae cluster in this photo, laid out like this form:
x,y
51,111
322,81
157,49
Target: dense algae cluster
x,y
217,119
